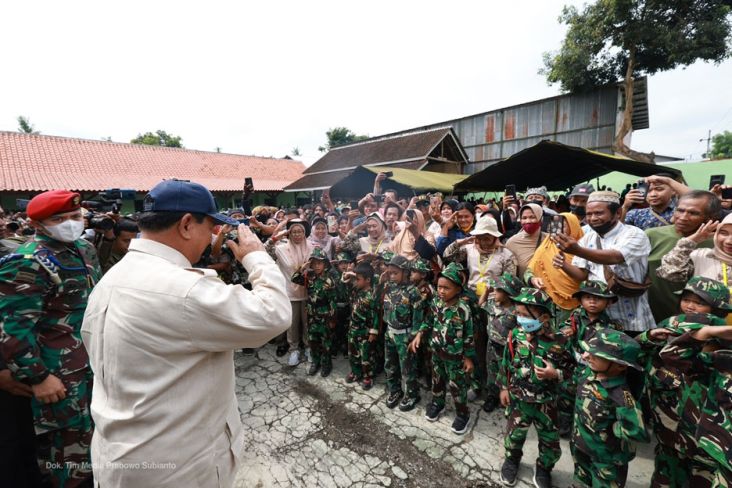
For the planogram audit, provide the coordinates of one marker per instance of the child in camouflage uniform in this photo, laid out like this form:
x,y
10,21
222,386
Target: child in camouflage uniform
x,y
607,418
343,310
674,397
403,311
583,321
501,320
321,289
363,324
534,361
451,340
709,351
421,277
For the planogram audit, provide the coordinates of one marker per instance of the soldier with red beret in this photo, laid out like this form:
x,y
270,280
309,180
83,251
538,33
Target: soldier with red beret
x,y
44,287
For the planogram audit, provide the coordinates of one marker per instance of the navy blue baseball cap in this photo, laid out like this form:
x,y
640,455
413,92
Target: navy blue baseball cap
x,y
184,196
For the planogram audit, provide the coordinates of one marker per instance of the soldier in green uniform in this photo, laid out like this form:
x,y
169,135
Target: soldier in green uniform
x,y
363,325
451,340
708,351
403,312
44,287
675,397
583,321
321,308
534,361
607,419
421,277
501,319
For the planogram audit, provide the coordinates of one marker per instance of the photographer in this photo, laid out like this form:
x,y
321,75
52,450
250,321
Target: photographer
x,y
652,204
115,242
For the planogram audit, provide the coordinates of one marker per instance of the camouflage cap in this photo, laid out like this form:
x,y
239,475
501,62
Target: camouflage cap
x,y
421,265
595,288
711,291
319,254
400,262
454,273
534,296
615,346
343,256
691,321
508,283
387,256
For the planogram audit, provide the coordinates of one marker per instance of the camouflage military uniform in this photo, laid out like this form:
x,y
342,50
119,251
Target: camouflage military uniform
x,y
424,354
44,289
321,308
533,401
363,322
714,429
340,334
607,418
469,298
403,312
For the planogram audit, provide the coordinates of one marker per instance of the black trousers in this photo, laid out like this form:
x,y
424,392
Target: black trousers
x,y
18,458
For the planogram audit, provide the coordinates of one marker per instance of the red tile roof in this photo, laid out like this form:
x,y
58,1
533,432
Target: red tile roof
x,y
38,163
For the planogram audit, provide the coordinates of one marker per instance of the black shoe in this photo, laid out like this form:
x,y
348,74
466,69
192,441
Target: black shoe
x,y
327,368
490,404
542,477
313,369
282,350
460,424
394,398
433,411
509,471
408,404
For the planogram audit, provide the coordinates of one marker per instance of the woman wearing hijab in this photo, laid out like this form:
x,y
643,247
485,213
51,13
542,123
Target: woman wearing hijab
x,y
458,226
412,239
685,260
319,237
376,240
542,274
527,241
290,256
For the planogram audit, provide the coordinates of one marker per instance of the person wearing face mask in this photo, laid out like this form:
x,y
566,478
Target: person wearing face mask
x,y
161,336
524,244
578,200
623,249
44,287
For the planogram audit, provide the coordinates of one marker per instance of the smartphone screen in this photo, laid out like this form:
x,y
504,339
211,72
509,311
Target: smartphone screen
x,y
716,180
511,190
643,188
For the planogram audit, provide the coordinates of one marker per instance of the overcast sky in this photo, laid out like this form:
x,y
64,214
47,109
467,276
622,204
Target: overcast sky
x,y
264,77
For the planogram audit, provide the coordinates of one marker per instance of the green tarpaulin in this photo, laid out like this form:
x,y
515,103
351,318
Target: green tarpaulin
x,y
404,181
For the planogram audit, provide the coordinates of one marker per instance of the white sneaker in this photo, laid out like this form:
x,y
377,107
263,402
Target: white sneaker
x,y
307,355
294,358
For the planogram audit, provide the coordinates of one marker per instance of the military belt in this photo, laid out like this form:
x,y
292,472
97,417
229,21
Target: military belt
x,y
392,330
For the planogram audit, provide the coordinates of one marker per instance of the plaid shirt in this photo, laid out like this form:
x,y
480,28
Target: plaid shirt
x,y
645,218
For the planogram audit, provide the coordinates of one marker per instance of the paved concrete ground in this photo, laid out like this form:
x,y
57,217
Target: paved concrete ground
x,y
312,432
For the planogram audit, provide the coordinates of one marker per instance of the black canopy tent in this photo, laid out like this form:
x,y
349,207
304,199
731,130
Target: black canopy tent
x,y
556,166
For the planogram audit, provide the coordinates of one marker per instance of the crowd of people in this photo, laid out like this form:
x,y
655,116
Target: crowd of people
x,y
595,316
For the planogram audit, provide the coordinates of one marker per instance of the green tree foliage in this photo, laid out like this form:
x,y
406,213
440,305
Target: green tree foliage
x,y
613,40
158,138
25,126
339,136
722,145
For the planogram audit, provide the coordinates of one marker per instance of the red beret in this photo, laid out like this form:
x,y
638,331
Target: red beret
x,y
51,203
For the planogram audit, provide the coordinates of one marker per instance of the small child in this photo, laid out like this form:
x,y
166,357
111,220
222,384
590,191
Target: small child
x,y
501,319
451,341
363,326
673,397
421,277
708,352
320,306
534,361
594,297
607,418
403,311
343,310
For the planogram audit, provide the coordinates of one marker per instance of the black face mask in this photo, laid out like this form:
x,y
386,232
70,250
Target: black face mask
x,y
578,211
604,228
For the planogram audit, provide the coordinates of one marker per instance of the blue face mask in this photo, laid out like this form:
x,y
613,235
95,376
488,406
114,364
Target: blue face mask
x,y
529,325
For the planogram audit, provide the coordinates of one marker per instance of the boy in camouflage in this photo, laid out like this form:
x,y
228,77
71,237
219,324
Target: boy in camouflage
x,y
607,418
583,321
534,361
708,351
451,340
403,311
363,325
343,311
501,319
421,277
321,309
675,397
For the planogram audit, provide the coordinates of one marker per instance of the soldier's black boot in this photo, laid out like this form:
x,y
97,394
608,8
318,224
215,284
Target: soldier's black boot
x,y
509,470
491,403
542,477
394,398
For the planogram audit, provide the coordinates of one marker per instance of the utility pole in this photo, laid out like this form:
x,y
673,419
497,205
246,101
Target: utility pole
x,y
708,139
